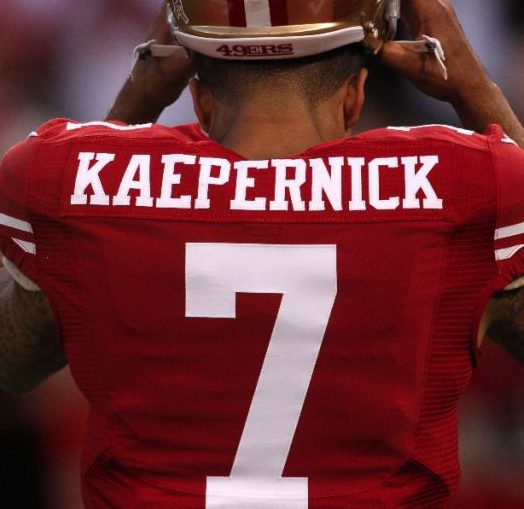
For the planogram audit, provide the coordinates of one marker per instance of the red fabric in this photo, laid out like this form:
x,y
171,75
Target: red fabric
x,y
237,13
14,224
279,14
169,395
508,161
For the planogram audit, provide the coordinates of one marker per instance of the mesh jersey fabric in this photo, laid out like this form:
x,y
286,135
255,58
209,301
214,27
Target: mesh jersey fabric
x,y
294,332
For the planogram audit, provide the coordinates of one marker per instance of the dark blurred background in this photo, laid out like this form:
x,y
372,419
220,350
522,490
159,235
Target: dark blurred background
x,y
68,58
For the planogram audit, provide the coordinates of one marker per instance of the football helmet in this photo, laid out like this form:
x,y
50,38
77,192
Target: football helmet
x,y
277,29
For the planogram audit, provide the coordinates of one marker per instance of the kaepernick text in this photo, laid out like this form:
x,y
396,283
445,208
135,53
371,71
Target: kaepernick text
x,y
185,181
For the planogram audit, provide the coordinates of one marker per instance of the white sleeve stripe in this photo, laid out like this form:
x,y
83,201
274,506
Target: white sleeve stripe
x,y
509,231
28,247
71,126
518,283
508,140
17,224
19,277
509,252
459,130
258,13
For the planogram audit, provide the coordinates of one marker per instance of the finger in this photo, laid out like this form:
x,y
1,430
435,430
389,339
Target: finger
x,y
411,18
403,60
178,65
160,30
428,16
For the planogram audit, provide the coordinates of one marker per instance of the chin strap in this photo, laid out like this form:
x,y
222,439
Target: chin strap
x,y
429,45
432,46
151,49
392,15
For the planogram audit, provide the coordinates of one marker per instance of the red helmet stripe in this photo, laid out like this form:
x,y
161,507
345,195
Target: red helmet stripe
x,y
278,12
237,13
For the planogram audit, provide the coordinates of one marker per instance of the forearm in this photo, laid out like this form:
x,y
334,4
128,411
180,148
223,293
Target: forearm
x,y
485,104
505,313
155,83
29,351
131,107
5,280
469,89
512,343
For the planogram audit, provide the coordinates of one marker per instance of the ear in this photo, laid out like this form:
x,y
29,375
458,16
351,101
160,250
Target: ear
x,y
354,98
202,103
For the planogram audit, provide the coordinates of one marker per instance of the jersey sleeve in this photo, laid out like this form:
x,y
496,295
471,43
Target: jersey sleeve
x,y
17,239
508,161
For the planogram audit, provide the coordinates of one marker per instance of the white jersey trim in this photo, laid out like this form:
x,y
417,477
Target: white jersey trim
x,y
509,141
518,283
258,13
28,247
301,46
507,253
509,231
19,277
72,126
459,130
16,224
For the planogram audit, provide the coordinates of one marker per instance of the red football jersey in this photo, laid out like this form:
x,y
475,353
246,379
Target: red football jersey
x,y
280,334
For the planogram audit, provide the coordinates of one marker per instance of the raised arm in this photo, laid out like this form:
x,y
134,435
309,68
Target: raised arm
x,y
504,322
155,83
477,100
29,350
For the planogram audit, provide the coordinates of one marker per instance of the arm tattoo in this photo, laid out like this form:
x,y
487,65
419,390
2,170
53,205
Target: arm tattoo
x,y
506,326
29,351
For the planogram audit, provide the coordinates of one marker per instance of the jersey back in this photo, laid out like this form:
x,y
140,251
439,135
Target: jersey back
x,y
287,333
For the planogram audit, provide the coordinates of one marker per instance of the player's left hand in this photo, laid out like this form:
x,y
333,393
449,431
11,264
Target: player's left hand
x,y
154,83
437,18
477,100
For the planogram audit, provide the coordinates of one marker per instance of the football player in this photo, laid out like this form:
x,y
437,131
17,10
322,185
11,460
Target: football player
x,y
263,310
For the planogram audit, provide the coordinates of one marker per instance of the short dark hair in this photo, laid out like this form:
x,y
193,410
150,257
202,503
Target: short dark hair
x,y
315,78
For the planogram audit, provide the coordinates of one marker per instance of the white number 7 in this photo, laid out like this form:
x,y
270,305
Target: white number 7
x,y
306,275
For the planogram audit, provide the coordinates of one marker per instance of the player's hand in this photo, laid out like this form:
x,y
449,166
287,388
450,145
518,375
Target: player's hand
x,y
477,100
437,18
155,83
162,80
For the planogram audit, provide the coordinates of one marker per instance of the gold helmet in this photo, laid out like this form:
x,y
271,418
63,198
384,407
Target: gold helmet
x,y
276,29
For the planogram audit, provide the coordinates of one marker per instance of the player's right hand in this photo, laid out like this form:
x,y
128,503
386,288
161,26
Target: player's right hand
x,y
154,83
437,18
160,81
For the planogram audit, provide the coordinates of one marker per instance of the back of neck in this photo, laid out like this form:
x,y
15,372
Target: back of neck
x,y
268,131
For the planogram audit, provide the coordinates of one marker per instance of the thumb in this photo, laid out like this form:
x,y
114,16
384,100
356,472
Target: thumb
x,y
179,65
404,61
160,30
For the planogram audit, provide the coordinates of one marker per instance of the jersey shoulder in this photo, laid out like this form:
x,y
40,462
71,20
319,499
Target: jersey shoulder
x,y
432,135
66,130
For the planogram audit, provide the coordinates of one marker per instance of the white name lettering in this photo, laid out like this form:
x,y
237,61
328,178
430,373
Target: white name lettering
x,y
357,167
206,166
293,184
88,175
244,182
185,181
374,183
166,200
326,182
418,181
139,164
